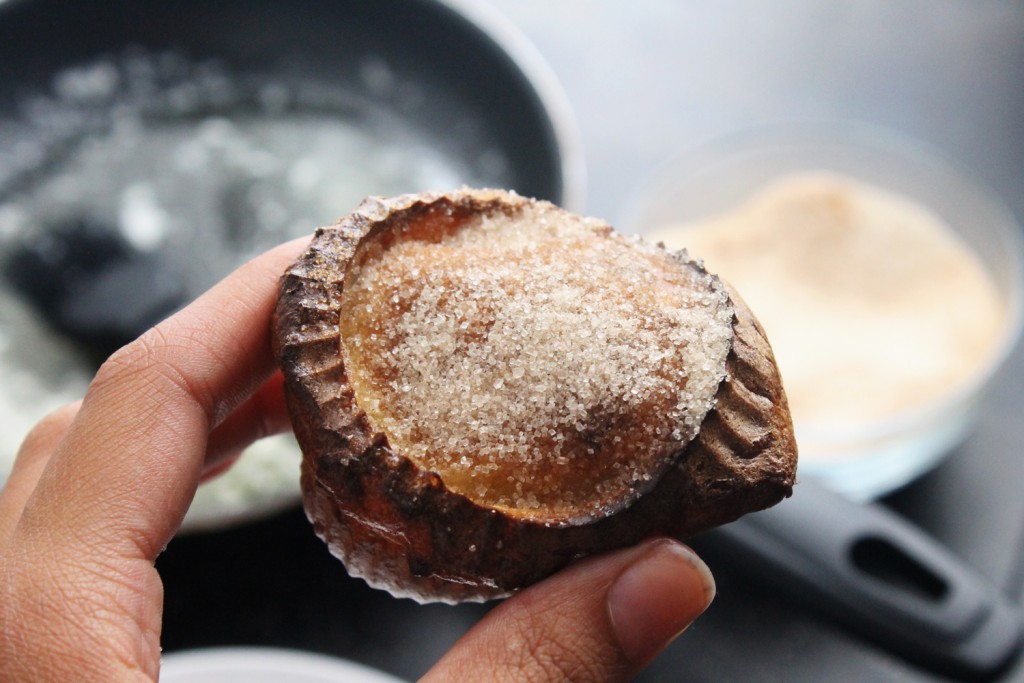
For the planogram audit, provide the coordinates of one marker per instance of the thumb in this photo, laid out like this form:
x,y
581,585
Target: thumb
x,y
603,619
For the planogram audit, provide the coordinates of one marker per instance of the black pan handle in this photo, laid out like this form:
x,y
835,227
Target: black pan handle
x,y
879,575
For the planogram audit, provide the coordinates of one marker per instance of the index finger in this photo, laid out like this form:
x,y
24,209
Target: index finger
x,y
130,463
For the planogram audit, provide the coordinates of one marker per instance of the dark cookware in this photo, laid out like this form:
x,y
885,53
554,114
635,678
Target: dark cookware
x,y
487,109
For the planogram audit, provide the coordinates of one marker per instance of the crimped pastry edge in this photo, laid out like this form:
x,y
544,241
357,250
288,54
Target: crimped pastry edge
x,y
400,529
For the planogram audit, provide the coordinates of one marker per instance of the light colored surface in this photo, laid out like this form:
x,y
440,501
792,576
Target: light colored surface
x,y
264,665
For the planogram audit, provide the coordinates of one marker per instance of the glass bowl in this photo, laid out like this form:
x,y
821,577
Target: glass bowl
x,y
860,458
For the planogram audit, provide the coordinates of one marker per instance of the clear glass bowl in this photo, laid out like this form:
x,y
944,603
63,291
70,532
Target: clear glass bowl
x,y
868,459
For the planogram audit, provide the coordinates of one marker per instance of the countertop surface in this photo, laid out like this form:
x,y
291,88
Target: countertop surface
x,y
647,79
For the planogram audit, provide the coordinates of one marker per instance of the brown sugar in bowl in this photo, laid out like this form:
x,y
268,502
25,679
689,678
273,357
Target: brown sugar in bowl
x,y
486,388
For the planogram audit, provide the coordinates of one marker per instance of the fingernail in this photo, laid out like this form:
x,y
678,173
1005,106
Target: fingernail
x,y
657,596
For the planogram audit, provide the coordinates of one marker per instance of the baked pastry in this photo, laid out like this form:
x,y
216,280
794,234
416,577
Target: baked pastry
x,y
486,388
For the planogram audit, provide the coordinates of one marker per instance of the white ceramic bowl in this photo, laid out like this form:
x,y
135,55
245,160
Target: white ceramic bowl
x,y
867,459
264,665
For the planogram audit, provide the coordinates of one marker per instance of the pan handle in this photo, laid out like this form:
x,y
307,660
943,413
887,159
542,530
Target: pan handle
x,y
880,576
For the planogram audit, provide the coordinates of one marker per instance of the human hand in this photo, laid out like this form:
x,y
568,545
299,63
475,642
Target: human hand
x,y
99,488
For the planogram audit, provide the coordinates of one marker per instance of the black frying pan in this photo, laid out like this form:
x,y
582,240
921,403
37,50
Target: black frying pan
x,y
476,95
458,86
437,76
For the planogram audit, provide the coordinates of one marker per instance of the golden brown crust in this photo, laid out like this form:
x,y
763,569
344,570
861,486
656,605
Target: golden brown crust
x,y
398,527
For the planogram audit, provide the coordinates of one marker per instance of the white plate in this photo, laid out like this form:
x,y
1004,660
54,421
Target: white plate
x,y
265,480
264,665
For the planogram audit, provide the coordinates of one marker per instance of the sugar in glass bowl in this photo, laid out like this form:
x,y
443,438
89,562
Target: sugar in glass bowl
x,y
850,240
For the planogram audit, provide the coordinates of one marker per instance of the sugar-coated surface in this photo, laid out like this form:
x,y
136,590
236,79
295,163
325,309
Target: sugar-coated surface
x,y
538,364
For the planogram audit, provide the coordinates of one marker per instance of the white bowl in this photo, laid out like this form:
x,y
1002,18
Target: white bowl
x,y
264,665
865,459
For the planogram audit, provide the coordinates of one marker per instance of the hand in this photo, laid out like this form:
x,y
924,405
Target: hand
x,y
100,487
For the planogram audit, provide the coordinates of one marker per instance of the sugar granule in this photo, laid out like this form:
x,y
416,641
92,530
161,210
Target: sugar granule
x,y
538,361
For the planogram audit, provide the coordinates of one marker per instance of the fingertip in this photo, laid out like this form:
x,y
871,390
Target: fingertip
x,y
656,597
49,430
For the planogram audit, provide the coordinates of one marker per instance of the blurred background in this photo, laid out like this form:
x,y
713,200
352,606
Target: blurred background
x,y
164,151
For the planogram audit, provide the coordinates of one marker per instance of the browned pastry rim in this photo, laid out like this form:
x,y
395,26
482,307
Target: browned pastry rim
x,y
400,528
